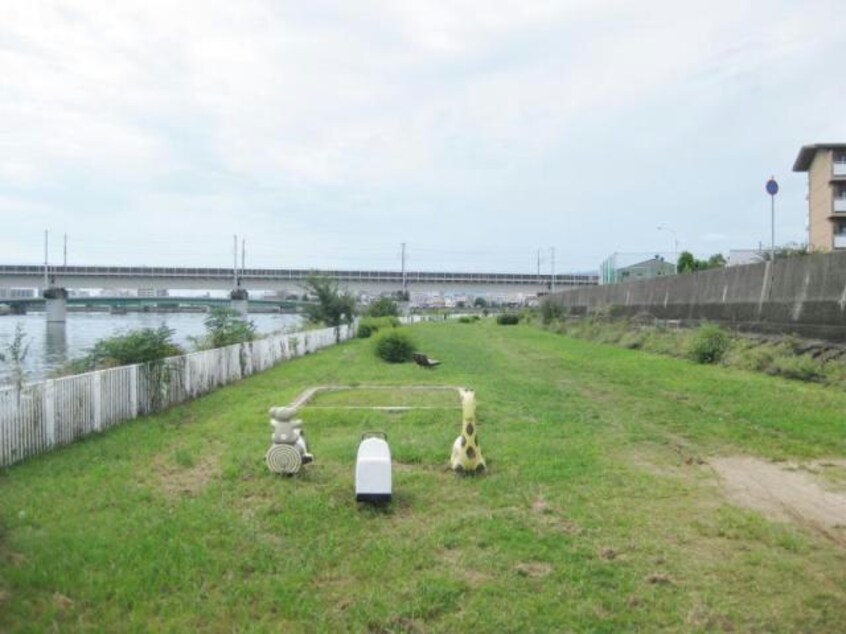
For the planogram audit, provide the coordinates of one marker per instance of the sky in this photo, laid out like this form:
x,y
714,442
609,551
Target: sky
x,y
482,134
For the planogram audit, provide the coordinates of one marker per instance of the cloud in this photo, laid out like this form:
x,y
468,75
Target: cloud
x,y
398,118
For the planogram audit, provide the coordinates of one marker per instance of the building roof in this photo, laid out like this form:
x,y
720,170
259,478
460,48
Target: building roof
x,y
647,263
807,153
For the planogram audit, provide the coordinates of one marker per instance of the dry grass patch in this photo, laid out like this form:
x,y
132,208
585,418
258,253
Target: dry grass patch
x,y
182,473
783,492
534,569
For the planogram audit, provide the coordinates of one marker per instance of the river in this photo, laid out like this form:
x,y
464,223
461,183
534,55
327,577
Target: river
x,y
53,345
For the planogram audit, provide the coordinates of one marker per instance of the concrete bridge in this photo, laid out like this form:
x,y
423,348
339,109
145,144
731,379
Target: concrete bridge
x,y
153,277
22,305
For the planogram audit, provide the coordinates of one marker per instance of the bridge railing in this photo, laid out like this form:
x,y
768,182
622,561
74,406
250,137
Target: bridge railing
x,y
41,416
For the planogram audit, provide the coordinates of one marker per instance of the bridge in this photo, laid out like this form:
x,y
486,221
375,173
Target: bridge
x,y
154,277
21,305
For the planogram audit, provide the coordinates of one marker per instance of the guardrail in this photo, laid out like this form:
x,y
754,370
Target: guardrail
x,y
41,416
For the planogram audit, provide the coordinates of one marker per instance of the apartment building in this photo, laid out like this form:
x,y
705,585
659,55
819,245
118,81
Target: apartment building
x,y
825,164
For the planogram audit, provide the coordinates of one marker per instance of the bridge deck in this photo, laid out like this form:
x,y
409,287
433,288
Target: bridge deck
x,y
36,272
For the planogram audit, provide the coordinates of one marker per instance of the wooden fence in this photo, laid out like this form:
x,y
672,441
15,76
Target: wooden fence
x,y
41,416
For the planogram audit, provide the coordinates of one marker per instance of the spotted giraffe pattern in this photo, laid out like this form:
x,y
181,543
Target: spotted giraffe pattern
x,y
466,452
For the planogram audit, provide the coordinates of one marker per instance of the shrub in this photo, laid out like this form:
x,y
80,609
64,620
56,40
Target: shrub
x,y
394,346
709,344
365,330
383,307
369,326
550,311
466,319
507,319
802,368
145,345
224,327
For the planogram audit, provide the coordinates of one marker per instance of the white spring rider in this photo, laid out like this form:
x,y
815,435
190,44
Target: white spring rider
x,y
289,452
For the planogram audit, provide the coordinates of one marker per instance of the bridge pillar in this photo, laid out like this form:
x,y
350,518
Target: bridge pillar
x,y
56,302
238,301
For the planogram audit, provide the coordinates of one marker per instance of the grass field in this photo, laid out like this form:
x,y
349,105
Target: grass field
x,y
599,512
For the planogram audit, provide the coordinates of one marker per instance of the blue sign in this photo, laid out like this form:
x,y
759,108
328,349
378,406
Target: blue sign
x,y
772,187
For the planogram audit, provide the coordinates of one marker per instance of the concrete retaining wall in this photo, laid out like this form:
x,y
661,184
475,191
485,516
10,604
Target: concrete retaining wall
x,y
805,295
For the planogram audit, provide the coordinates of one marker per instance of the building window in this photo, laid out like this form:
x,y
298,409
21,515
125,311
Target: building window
x,y
839,156
840,190
840,227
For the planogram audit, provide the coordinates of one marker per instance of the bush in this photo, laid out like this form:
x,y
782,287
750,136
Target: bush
x,y
136,346
507,319
802,368
224,327
369,326
383,307
394,346
550,311
365,330
710,343
468,319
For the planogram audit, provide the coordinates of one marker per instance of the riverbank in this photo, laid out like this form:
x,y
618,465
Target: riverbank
x,y
603,509
788,356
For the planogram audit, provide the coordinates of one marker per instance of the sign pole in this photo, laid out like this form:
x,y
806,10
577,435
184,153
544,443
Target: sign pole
x,y
772,190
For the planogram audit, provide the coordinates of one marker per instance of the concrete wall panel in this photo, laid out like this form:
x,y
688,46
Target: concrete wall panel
x,y
805,295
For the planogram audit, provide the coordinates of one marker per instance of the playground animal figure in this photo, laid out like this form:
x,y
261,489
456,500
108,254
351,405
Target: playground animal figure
x,y
466,452
289,451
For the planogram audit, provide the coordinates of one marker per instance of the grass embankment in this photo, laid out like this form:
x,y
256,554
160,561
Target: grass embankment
x,y
787,356
595,514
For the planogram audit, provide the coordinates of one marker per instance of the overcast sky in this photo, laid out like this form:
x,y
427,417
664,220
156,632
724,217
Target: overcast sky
x,y
325,134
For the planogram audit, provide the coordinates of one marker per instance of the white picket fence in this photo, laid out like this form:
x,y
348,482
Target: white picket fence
x,y
42,416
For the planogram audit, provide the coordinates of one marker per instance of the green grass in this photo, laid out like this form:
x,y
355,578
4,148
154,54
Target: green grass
x,y
593,516
397,396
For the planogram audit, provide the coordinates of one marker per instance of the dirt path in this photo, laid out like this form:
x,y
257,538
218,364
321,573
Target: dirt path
x,y
783,492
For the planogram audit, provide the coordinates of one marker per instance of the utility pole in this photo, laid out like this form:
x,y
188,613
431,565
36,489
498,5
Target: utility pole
x,y
66,252
46,274
243,255
552,270
235,259
675,238
539,266
404,279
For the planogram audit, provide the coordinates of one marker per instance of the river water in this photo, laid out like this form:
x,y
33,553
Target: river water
x,y
53,345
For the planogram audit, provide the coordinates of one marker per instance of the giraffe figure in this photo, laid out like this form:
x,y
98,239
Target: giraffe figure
x,y
466,452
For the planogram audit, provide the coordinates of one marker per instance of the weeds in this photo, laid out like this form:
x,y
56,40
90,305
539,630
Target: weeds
x,y
710,344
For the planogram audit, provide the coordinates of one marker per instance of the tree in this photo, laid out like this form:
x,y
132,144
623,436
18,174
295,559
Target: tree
x,y
383,307
15,356
716,261
224,327
686,263
333,307
480,302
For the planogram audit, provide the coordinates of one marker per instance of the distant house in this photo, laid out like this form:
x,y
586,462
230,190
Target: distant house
x,y
646,270
739,257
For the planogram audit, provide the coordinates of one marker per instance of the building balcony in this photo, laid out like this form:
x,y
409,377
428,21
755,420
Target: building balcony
x,y
839,206
840,241
838,169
